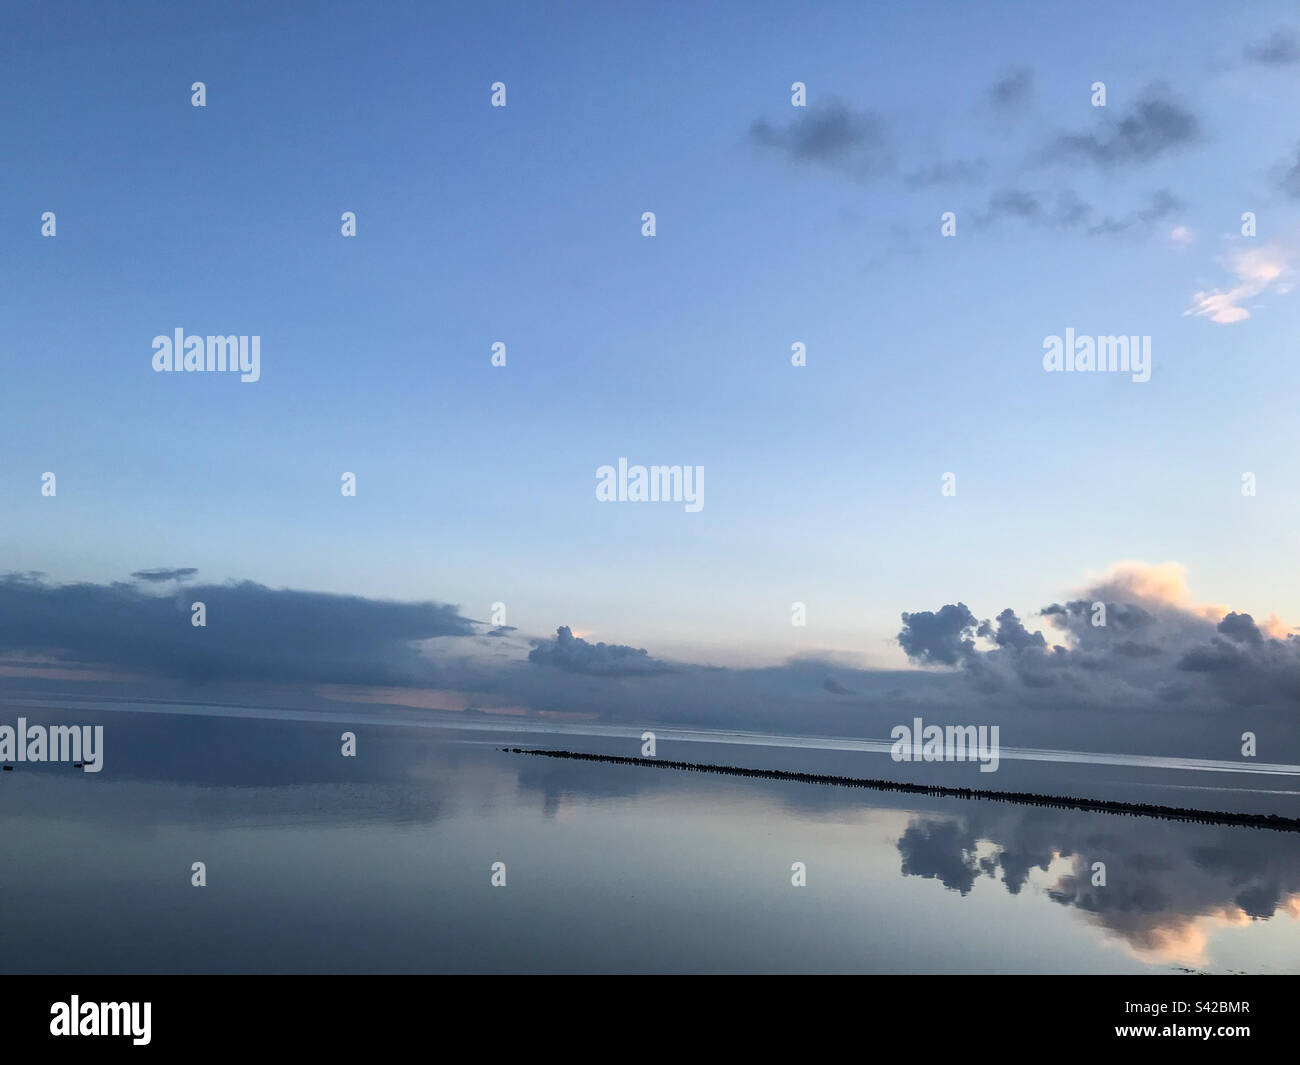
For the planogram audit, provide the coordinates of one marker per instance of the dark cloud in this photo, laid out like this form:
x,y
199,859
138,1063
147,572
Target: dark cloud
x,y
575,655
158,576
1156,126
1214,657
836,688
1014,203
1242,628
1160,205
1288,177
1134,649
1124,617
943,638
854,143
1011,632
831,135
1066,211
1143,652
252,632
1282,49
1012,89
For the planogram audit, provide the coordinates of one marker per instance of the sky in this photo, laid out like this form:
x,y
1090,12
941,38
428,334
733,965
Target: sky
x,y
775,225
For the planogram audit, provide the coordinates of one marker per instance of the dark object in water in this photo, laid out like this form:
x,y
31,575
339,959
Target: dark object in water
x,y
9,769
1026,798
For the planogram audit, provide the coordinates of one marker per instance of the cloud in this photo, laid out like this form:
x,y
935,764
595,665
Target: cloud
x,y
575,655
1014,203
1150,643
1242,628
1156,126
943,637
1258,270
160,575
832,135
1213,657
956,172
1068,212
1181,235
1280,50
836,688
1161,673
1012,89
1288,177
1012,633
1159,206
252,632
837,137
1162,584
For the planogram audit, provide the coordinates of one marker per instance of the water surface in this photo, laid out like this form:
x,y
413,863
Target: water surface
x,y
320,863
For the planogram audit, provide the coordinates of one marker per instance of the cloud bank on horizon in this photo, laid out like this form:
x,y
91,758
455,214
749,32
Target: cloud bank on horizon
x,y
251,632
1134,640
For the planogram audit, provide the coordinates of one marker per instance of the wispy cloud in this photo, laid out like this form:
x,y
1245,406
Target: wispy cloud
x,y
1281,49
831,135
1288,177
161,576
1156,126
1012,89
1258,270
1066,211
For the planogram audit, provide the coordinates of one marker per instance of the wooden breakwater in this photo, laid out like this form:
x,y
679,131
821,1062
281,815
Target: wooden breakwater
x,y
1025,798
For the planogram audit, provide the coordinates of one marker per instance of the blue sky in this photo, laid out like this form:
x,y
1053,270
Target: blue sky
x,y
522,225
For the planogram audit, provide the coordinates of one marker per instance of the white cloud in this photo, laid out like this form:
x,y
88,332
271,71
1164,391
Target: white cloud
x,y
1258,270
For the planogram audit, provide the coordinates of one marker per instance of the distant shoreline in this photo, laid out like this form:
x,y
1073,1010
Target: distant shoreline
x,y
1025,798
